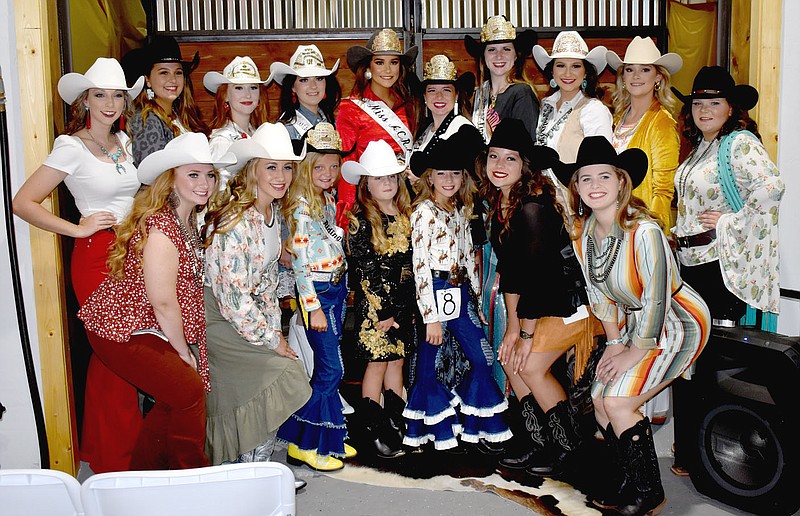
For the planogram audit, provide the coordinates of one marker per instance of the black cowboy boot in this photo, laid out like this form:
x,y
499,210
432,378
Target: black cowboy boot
x,y
393,406
643,493
615,484
380,432
531,433
564,442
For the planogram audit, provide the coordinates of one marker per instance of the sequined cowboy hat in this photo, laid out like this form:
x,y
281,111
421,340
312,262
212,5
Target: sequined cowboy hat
x,y
511,134
184,149
307,61
713,82
160,49
643,51
377,160
382,42
458,152
105,74
498,29
269,141
440,70
242,70
323,138
570,45
597,150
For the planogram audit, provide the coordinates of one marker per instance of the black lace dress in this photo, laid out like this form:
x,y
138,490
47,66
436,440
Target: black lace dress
x,y
383,286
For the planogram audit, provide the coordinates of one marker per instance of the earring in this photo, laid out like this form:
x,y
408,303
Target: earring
x,y
455,107
580,208
227,106
122,122
623,87
294,98
617,203
88,118
149,93
657,86
368,75
583,85
553,84
173,200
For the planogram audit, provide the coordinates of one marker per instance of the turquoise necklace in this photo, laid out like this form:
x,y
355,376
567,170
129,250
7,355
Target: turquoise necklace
x,y
113,157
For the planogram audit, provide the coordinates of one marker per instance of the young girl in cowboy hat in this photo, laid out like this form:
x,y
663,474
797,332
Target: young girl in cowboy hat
x,y
379,246
240,105
445,274
382,105
504,90
655,324
317,431
167,107
94,160
257,381
147,314
310,93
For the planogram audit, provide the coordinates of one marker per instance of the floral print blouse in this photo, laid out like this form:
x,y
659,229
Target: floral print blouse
x,y
440,241
747,241
242,272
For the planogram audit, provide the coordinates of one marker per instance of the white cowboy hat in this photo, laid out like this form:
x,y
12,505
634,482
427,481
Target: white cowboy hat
x,y
644,51
270,141
306,61
378,160
570,45
242,70
185,149
106,74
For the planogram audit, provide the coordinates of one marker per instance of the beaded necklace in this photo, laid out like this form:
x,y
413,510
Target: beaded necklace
x,y
191,240
543,136
599,273
113,157
691,162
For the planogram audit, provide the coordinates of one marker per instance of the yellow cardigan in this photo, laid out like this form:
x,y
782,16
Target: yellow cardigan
x,y
657,136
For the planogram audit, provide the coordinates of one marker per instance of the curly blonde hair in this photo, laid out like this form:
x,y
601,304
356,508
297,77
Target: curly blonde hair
x,y
372,212
228,205
622,97
463,198
303,188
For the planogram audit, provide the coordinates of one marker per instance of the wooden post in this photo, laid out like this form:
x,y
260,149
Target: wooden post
x,y
37,50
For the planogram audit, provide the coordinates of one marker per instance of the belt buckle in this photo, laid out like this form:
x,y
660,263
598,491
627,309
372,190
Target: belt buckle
x,y
337,275
456,276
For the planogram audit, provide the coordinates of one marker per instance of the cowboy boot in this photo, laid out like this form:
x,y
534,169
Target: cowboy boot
x,y
564,442
531,432
380,432
393,406
643,493
614,486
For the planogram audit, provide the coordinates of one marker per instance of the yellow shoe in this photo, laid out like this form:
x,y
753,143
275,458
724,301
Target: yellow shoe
x,y
349,451
297,457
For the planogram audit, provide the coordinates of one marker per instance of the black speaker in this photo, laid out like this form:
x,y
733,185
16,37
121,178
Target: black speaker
x,y
736,420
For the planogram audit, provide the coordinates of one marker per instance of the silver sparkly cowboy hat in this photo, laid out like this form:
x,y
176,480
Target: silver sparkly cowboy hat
x,y
242,70
570,45
185,149
643,51
105,74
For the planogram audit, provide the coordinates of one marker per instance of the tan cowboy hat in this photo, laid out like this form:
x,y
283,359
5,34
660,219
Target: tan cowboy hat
x,y
570,45
242,70
306,61
184,149
644,51
377,160
105,74
270,141
382,42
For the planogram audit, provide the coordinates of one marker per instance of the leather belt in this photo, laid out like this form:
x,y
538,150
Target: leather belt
x,y
697,240
333,277
457,279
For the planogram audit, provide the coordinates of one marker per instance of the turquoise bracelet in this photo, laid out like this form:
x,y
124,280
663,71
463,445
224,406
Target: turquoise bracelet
x,y
620,340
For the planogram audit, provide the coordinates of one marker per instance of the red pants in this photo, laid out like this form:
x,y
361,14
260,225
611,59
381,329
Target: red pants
x,y
174,432
111,419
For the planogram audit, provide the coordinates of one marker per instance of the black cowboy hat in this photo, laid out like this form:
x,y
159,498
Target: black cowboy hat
x,y
322,139
523,41
458,152
160,49
382,42
713,82
597,150
511,134
441,70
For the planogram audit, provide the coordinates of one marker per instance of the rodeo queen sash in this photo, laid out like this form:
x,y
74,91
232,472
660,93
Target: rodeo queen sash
x,y
389,121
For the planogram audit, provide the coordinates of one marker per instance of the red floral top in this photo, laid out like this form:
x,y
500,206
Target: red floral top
x,y
119,307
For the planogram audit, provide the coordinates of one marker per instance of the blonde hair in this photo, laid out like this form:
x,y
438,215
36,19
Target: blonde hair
x,y
303,188
463,198
630,211
622,97
228,205
372,212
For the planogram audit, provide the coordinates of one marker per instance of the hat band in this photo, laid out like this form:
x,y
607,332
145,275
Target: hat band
x,y
707,92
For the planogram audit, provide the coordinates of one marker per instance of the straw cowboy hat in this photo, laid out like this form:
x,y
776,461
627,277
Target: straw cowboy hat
x,y
597,150
511,134
644,51
713,82
105,74
498,29
382,42
377,160
269,141
570,45
307,61
242,70
160,49
185,149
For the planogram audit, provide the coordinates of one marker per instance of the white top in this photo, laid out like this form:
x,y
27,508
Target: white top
x,y
95,184
595,119
220,141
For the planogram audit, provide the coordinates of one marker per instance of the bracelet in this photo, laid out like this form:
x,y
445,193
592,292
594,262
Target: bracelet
x,y
619,340
524,335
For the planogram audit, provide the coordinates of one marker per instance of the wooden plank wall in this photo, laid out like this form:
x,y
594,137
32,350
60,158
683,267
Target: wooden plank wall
x,y
215,55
